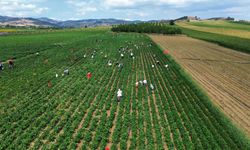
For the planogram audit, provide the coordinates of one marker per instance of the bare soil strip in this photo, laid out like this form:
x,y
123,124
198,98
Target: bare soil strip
x,y
223,73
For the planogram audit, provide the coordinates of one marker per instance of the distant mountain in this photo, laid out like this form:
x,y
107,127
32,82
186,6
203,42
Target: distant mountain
x,y
221,18
93,22
20,22
47,22
52,21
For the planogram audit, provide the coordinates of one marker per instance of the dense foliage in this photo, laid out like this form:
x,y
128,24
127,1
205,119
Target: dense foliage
x,y
148,28
77,113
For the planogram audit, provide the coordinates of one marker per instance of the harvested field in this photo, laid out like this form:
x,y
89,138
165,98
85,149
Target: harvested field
x,y
224,31
222,72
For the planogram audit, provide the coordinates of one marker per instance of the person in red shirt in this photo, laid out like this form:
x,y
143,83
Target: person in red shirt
x,y
49,84
89,75
11,63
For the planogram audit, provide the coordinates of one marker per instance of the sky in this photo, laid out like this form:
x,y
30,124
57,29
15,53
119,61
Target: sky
x,y
125,9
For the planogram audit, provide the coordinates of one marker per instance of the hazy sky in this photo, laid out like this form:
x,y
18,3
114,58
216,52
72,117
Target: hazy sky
x,y
125,9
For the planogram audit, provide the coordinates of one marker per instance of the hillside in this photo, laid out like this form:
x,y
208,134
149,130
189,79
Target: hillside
x,y
46,22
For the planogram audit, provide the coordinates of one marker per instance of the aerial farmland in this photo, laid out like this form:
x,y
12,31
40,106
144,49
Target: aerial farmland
x,y
128,85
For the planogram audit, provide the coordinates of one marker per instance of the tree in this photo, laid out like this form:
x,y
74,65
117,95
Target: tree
x,y
172,22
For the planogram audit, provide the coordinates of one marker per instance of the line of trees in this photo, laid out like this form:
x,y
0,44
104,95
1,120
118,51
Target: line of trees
x,y
161,28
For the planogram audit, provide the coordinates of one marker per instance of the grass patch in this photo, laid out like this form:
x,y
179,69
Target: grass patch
x,y
236,43
222,24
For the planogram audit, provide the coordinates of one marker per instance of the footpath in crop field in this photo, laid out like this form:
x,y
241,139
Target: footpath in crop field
x,y
222,72
80,113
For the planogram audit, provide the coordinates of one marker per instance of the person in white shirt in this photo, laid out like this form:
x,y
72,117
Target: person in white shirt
x,y
144,82
152,88
119,95
131,54
109,63
66,72
136,84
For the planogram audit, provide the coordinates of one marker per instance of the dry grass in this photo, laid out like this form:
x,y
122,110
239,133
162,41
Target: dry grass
x,y
223,31
7,30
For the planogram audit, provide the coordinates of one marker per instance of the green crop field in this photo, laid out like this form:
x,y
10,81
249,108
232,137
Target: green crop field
x,y
225,33
77,113
222,24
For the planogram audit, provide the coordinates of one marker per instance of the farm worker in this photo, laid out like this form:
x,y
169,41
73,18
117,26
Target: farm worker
x,y
119,95
84,55
136,84
37,53
107,148
151,87
56,75
131,54
89,75
120,65
117,63
109,63
11,63
144,82
141,82
153,66
1,66
166,52
166,66
158,62
49,84
105,56
66,72
122,55
92,56
133,57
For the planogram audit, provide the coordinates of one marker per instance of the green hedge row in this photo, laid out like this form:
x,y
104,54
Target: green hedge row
x,y
147,28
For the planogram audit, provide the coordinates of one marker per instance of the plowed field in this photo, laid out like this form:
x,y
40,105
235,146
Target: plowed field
x,y
222,72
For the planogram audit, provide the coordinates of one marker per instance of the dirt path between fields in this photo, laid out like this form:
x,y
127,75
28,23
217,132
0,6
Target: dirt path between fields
x,y
223,73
